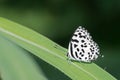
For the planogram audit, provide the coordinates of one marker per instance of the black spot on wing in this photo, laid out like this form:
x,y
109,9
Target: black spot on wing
x,y
75,45
82,55
82,41
75,40
80,58
83,50
79,34
85,57
91,45
76,54
85,45
78,49
71,50
75,35
81,45
97,53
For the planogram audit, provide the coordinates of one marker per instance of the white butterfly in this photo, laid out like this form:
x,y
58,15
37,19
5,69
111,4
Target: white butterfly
x,y
82,47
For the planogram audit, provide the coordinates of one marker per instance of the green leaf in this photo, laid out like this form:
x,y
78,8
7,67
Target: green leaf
x,y
16,63
51,52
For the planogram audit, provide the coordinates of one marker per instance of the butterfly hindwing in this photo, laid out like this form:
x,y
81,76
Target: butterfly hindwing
x,y
82,47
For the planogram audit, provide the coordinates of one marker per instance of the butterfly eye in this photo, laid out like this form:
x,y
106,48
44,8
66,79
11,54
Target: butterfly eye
x,y
82,47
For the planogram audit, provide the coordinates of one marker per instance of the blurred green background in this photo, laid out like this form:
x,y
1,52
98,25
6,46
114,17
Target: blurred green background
x,y
57,20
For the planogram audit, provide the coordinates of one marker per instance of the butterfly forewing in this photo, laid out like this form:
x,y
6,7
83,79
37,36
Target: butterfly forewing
x,y
82,47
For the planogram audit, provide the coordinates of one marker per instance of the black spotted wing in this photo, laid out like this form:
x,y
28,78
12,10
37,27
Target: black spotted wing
x,y
82,47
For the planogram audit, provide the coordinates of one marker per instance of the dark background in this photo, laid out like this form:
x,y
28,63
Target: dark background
x,y
57,20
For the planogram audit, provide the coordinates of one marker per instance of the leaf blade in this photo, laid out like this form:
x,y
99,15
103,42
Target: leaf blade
x,y
53,53
16,64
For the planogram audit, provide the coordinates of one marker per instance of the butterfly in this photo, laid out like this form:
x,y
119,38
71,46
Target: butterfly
x,y
82,47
